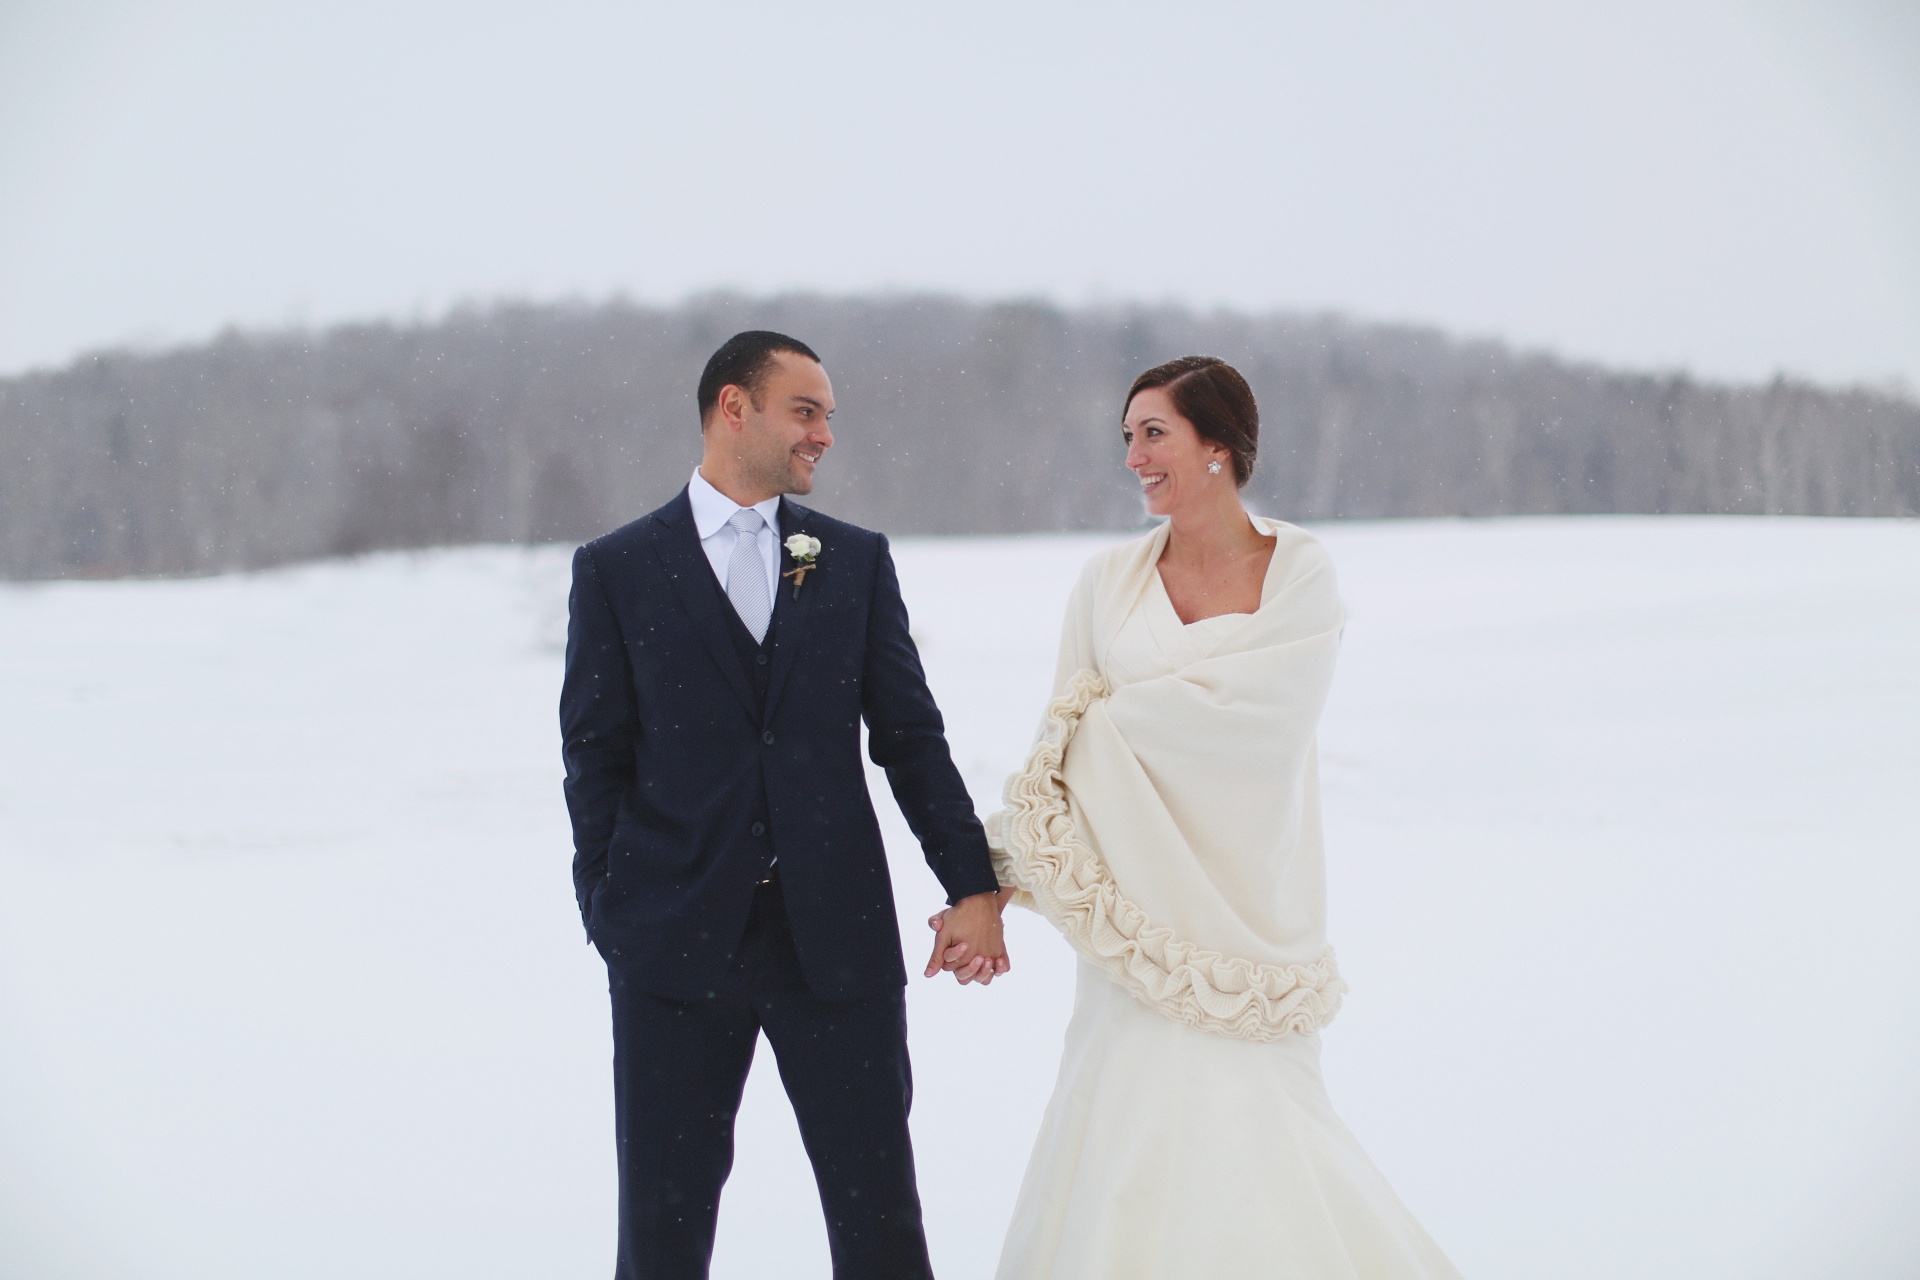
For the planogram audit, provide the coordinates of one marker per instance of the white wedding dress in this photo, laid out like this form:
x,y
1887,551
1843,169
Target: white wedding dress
x,y
1168,823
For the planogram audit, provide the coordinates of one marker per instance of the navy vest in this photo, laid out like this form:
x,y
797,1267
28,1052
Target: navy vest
x,y
757,661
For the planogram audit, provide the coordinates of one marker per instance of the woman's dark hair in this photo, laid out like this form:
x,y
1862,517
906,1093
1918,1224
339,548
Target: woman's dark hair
x,y
742,361
1211,394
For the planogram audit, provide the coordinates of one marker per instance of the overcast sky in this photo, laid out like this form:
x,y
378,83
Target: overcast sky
x,y
1728,188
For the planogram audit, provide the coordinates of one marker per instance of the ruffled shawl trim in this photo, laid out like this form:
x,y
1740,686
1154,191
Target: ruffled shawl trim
x,y
1038,851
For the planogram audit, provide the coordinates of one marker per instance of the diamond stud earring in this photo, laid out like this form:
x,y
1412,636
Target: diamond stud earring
x,y
1213,468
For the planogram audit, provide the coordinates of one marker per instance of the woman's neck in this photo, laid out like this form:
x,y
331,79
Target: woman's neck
x,y
1219,530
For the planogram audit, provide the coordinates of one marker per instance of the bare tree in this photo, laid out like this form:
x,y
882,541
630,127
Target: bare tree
x,y
524,423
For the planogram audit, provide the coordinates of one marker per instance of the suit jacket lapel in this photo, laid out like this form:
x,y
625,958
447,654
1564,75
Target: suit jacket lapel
x,y
791,606
677,543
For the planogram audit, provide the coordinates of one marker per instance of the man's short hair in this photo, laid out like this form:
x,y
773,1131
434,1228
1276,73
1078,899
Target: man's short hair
x,y
742,361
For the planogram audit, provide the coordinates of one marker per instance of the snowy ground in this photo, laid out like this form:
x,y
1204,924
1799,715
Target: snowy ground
x,y
1622,827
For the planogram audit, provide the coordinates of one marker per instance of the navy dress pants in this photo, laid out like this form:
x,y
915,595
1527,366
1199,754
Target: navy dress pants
x,y
679,1068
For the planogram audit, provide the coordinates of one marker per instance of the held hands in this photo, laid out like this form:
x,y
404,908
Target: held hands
x,y
967,939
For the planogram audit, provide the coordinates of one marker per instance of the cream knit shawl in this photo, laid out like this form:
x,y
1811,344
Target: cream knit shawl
x,y
1167,821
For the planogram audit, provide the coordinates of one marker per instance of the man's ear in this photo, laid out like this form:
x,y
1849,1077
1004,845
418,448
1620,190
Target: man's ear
x,y
732,407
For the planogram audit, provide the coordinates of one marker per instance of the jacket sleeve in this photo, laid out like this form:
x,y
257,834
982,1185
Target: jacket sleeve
x,y
907,738
598,725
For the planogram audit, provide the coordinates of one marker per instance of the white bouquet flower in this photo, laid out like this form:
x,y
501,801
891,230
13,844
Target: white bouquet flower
x,y
803,549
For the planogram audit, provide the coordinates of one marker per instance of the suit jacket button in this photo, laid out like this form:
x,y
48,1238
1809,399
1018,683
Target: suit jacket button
x,y
759,828
767,737
761,659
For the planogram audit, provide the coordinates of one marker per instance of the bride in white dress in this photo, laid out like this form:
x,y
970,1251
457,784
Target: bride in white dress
x,y
1168,824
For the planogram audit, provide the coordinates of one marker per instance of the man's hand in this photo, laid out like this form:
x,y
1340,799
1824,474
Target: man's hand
x,y
967,939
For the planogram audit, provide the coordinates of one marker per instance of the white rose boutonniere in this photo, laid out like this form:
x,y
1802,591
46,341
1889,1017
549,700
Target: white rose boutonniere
x,y
805,550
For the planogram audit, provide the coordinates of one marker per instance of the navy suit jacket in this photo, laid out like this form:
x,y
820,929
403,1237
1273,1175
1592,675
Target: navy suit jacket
x,y
682,784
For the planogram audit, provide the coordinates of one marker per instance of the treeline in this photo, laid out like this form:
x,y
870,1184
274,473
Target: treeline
x,y
532,423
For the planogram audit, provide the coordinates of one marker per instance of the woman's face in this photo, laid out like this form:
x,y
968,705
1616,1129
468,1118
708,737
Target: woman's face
x,y
1169,456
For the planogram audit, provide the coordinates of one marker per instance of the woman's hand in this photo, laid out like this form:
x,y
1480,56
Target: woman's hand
x,y
969,951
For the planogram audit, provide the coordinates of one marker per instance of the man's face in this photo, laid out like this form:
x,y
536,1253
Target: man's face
x,y
781,437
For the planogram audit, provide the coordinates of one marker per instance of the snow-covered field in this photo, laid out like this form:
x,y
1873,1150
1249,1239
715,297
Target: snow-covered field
x,y
1624,835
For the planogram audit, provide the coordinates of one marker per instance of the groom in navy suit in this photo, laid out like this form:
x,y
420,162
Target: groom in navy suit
x,y
722,653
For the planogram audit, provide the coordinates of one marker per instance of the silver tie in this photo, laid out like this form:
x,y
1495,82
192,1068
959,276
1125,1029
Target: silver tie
x,y
747,573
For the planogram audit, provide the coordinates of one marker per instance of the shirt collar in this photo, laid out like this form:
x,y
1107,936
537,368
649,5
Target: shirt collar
x,y
712,508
